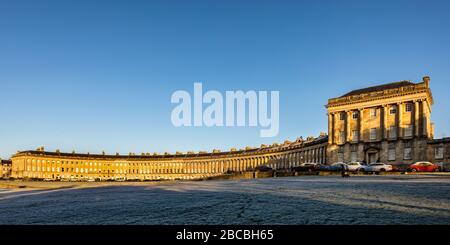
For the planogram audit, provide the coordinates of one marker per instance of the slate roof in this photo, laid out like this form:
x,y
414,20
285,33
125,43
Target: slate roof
x,y
378,88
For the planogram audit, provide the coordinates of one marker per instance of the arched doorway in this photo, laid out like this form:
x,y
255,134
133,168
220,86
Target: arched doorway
x,y
372,155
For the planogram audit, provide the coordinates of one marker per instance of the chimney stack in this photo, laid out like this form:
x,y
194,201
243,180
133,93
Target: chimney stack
x,y
426,80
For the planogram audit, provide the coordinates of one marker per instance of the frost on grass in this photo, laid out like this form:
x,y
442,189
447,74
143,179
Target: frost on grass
x,y
294,200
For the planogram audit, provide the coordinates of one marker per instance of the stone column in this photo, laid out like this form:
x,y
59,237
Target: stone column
x,y
309,155
316,155
359,124
305,156
297,158
348,128
383,121
319,155
386,126
294,159
416,118
424,119
399,120
330,128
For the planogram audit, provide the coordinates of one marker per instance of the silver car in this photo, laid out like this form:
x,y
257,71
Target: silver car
x,y
354,166
376,167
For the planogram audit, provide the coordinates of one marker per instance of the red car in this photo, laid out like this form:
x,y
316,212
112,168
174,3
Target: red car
x,y
423,167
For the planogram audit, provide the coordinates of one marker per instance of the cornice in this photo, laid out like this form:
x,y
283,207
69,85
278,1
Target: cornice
x,y
384,94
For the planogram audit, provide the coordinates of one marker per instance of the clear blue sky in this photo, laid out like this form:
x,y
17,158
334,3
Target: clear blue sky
x,y
98,75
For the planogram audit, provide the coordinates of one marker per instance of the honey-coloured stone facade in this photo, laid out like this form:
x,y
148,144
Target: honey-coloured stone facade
x,y
389,123
5,168
40,164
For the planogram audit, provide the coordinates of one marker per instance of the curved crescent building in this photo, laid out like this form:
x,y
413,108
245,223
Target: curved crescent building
x,y
390,123
56,165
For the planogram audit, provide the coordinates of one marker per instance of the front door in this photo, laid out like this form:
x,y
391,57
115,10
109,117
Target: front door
x,y
372,157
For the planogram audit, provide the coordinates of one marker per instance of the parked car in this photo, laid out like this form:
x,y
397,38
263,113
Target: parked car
x,y
444,167
307,166
423,167
337,166
376,167
323,167
354,166
262,168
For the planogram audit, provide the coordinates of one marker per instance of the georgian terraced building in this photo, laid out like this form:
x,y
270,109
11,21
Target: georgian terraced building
x,y
389,123
5,168
56,165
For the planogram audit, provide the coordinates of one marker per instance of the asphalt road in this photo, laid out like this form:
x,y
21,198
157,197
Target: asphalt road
x,y
418,199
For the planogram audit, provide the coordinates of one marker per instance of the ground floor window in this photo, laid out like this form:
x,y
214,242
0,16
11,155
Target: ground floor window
x,y
354,152
340,154
391,155
354,156
407,151
391,152
439,152
340,157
